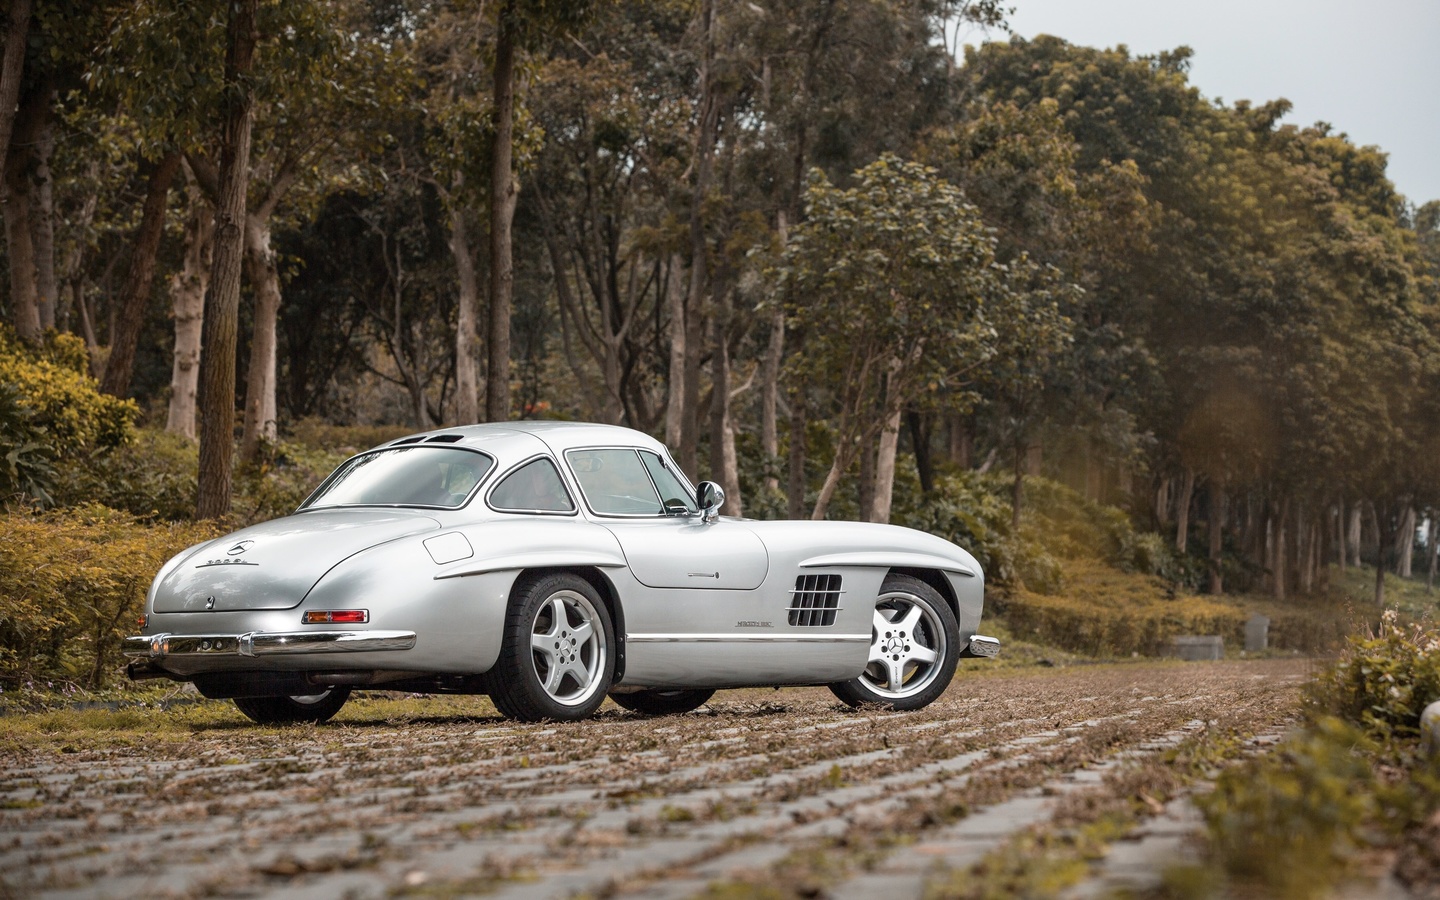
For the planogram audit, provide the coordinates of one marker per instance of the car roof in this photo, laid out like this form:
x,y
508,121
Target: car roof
x,y
513,440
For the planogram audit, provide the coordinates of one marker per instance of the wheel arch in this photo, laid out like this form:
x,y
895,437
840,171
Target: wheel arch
x,y
937,580
604,587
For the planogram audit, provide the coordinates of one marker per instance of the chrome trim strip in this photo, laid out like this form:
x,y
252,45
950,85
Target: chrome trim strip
x,y
747,638
813,608
253,644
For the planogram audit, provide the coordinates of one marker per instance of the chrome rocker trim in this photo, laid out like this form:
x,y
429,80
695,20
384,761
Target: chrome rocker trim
x,y
256,643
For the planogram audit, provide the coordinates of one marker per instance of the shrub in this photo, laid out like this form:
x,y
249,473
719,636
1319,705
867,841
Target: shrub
x,y
152,477
26,472
73,583
54,382
1383,680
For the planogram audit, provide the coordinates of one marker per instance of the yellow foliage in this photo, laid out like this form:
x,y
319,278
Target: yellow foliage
x,y
55,382
73,583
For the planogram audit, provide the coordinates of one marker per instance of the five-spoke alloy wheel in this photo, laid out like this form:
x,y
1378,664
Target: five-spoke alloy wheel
x,y
914,646
557,658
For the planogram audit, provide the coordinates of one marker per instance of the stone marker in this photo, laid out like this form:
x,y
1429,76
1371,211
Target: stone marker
x,y
1257,633
1430,730
1200,646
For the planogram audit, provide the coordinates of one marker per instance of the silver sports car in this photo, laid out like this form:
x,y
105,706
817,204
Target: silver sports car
x,y
548,564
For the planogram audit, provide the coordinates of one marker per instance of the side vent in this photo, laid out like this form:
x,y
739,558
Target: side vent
x,y
815,600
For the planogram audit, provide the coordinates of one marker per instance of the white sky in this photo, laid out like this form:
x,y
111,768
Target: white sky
x,y
1372,70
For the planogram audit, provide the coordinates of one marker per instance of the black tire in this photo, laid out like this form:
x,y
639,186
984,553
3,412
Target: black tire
x,y
532,680
662,703
291,710
914,647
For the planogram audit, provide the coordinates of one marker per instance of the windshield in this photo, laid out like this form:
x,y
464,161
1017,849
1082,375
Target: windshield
x,y
405,476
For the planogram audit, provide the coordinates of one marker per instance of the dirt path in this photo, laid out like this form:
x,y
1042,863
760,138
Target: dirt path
x,y
760,791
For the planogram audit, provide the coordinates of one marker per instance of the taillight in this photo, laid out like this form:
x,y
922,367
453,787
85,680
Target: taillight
x,y
142,622
342,616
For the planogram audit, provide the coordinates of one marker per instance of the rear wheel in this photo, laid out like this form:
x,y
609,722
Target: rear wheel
x,y
914,646
557,656
662,703
290,710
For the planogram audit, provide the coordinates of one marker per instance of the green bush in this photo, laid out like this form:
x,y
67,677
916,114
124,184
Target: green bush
x,y
26,473
154,476
1383,680
72,584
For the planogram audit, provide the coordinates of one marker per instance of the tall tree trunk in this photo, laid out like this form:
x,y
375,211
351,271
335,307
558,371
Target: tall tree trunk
x,y
1182,510
889,448
920,425
1432,545
467,375
795,483
12,68
865,484
675,385
1352,532
1279,561
1219,505
723,463
770,381
264,274
42,211
1405,543
1342,554
704,163
502,216
187,296
1017,488
222,303
24,292
135,295
961,444
1383,530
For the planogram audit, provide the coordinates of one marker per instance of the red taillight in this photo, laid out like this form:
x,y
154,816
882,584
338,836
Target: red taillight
x,y
343,616
142,622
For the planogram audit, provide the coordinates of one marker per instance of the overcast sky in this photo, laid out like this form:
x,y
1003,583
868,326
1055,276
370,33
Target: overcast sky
x,y
1372,70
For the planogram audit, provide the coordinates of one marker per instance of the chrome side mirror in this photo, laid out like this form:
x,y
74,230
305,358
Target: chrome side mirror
x,y
709,496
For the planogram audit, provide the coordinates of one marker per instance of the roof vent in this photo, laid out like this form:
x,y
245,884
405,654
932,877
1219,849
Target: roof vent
x,y
445,439
411,440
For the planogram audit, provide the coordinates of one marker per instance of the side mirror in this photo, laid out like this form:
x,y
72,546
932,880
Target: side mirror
x,y
709,497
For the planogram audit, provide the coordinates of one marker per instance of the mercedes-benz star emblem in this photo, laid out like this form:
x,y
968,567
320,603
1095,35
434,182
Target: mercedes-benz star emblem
x,y
239,548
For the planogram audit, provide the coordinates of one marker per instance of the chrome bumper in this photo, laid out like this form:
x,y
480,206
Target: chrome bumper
x,y
983,646
258,643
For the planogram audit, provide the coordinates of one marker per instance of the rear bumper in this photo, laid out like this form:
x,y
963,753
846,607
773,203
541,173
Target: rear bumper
x,y
256,644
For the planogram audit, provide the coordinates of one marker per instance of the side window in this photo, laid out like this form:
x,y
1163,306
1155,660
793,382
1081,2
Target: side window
x,y
614,482
672,491
534,487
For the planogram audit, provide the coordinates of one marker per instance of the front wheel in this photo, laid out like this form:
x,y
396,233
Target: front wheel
x,y
914,646
662,703
557,656
291,710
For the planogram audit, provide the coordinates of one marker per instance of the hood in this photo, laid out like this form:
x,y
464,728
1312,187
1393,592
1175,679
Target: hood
x,y
274,564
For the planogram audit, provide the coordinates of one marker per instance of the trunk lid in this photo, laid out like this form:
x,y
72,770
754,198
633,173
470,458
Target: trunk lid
x,y
274,564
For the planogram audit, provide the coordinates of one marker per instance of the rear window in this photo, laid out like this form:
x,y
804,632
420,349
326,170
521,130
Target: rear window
x,y
405,476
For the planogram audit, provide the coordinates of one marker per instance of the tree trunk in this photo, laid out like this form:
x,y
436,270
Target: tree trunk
x,y
12,68
42,212
1433,547
885,467
675,386
723,465
502,216
865,484
795,483
770,382
264,274
1382,529
222,303
1405,544
1182,510
467,375
1279,557
1017,489
187,295
920,440
135,295
24,292
1352,533
1342,555
1219,505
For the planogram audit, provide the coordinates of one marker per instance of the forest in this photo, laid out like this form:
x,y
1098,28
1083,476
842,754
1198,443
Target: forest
x,y
873,260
